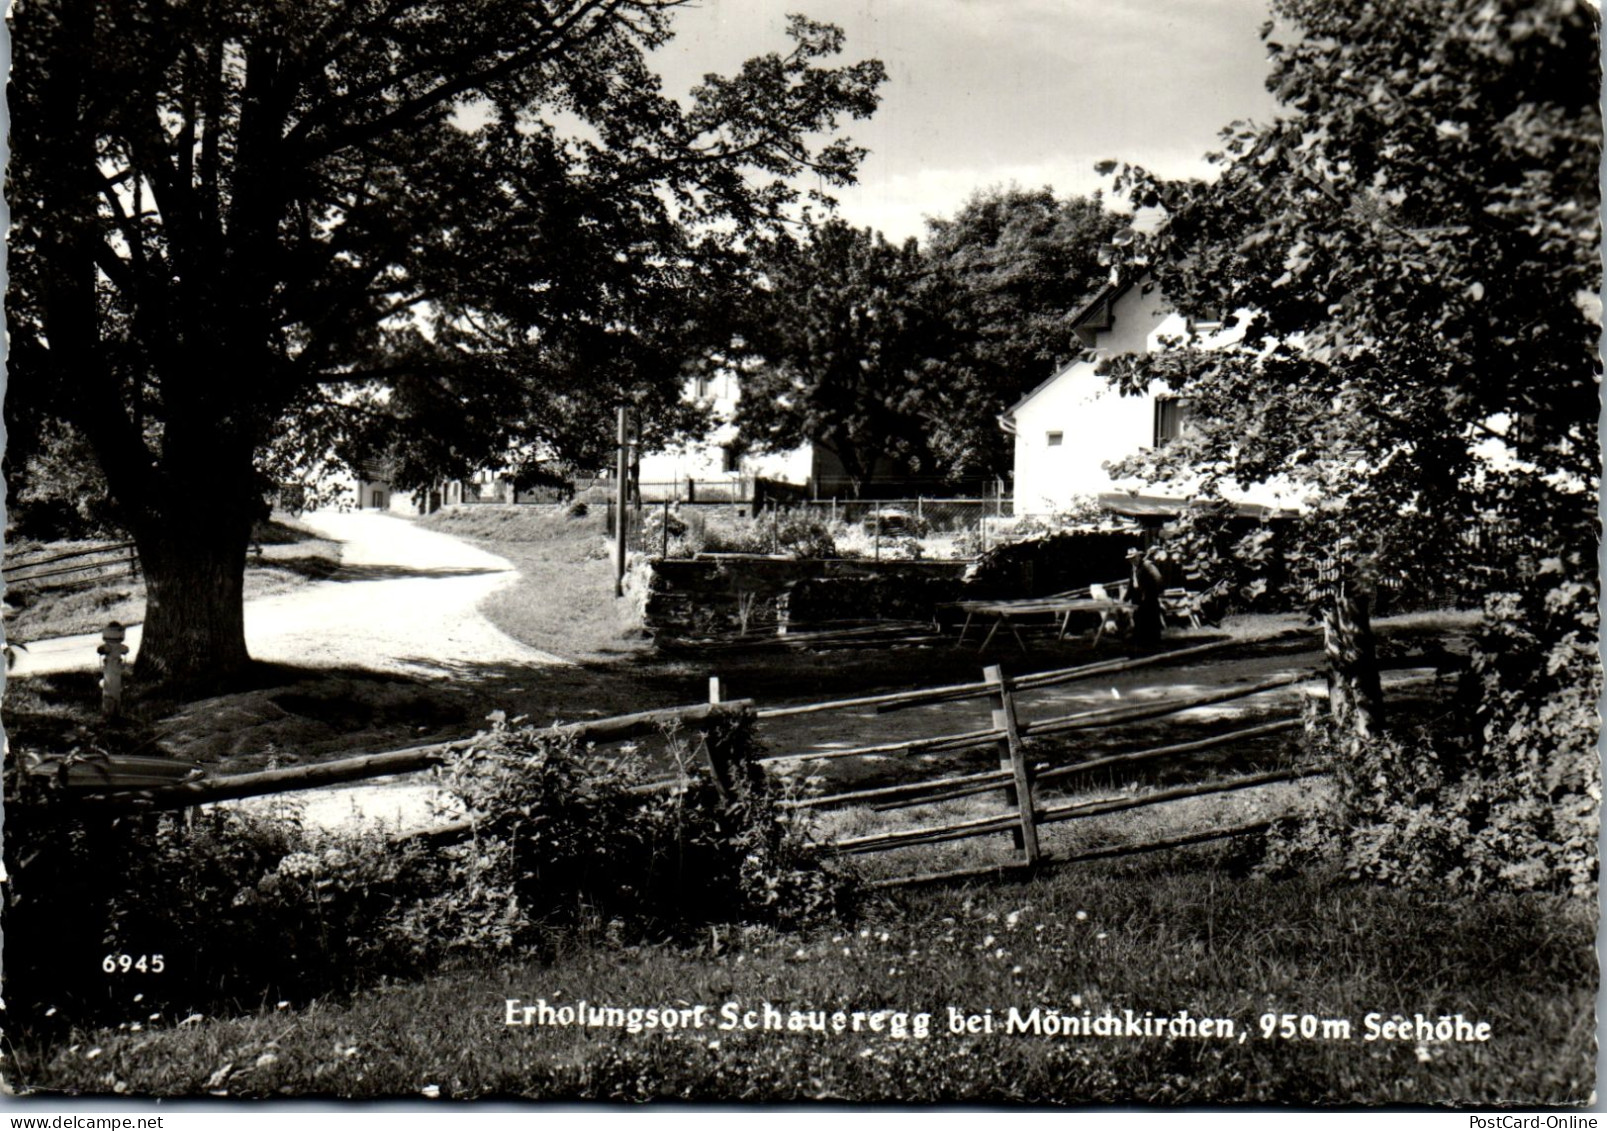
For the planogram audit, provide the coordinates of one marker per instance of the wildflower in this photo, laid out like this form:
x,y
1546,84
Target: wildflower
x,y
883,937
1101,935
431,1091
1015,969
93,1053
1423,1055
1012,919
1076,999
1000,953
1081,915
989,941
283,1005
298,864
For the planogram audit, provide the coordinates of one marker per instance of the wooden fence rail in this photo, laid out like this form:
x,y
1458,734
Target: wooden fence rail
x,y
902,700
413,760
1017,776
118,556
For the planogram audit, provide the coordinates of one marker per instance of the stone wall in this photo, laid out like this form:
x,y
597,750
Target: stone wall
x,y
723,594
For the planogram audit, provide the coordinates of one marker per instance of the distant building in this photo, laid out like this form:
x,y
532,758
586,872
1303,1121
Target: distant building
x,y
715,464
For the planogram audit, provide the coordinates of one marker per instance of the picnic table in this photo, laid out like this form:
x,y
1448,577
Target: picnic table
x,y
1112,612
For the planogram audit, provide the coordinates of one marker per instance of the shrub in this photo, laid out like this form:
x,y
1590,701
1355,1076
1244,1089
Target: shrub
x,y
246,909
1510,803
241,909
565,838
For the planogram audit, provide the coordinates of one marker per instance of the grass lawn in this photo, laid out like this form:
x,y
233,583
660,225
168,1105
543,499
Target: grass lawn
x,y
1160,935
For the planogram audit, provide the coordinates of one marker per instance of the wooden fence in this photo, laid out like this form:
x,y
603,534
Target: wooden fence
x,y
98,561
1019,779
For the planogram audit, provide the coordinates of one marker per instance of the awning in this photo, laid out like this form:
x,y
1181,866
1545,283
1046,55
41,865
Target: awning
x,y
1162,506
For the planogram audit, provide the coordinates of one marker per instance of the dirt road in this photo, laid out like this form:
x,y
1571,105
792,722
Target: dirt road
x,y
404,602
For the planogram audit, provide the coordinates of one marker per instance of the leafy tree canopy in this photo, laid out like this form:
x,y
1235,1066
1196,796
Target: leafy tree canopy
x,y
910,354
1019,265
1414,250
843,346
246,233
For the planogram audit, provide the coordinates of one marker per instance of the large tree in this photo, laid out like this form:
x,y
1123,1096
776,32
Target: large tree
x,y
1019,265
1414,249
247,232
845,348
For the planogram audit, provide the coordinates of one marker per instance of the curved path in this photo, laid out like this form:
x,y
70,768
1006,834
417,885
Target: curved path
x,y
405,601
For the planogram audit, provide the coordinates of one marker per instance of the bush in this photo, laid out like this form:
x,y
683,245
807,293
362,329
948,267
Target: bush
x,y
566,838
246,909
241,909
1510,803
773,532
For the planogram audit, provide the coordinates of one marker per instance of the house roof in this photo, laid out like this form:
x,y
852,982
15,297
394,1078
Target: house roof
x,y
1097,314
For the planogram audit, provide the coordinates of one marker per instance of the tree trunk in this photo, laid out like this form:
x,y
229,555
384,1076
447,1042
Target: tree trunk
x,y
1355,696
193,553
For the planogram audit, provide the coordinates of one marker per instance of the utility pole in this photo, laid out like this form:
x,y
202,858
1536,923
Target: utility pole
x,y
621,473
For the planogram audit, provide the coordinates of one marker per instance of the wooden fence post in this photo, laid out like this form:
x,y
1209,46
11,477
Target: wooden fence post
x,y
1012,758
719,757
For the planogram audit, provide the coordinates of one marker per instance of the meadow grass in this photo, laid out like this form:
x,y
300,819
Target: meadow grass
x,y
1186,930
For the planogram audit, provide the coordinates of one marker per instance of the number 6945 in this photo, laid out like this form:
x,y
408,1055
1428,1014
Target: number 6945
x,y
133,964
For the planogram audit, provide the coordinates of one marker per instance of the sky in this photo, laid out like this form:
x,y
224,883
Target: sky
x,y
990,92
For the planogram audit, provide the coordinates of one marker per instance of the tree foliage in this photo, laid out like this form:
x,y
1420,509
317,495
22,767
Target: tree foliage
x,y
1414,251
844,349
1019,265
911,353
247,234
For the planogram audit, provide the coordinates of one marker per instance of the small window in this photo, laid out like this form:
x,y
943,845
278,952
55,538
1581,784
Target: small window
x,y
731,459
1171,416
377,500
701,387
1054,439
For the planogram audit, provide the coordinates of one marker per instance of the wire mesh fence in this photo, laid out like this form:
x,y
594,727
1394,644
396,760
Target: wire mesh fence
x,y
932,529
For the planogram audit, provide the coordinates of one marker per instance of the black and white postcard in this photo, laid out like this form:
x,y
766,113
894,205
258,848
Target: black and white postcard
x,y
862,552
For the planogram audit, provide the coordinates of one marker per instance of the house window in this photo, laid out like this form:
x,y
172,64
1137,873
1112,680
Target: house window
x,y
1054,439
1171,416
701,386
377,500
730,459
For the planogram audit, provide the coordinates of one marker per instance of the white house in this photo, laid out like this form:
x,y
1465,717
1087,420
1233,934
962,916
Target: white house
x,y
1072,426
715,458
